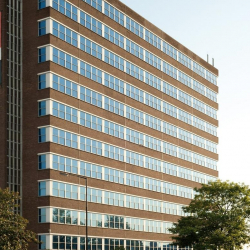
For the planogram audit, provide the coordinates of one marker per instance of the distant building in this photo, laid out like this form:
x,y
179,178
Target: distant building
x,y
93,89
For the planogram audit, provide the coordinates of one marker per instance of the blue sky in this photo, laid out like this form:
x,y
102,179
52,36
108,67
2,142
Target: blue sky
x,y
220,28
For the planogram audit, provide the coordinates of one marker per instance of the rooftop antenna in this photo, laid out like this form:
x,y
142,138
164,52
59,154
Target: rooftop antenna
x,y
207,58
213,61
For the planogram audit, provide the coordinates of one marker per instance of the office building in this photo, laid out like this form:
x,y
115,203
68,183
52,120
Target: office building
x,y
90,88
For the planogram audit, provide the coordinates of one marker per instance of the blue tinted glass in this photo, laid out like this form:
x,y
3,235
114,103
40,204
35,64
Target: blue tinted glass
x,y
41,5
42,28
42,81
42,215
42,161
42,108
74,92
74,13
42,241
42,135
42,55
42,188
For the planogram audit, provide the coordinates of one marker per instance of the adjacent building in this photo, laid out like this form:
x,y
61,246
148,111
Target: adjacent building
x,y
90,88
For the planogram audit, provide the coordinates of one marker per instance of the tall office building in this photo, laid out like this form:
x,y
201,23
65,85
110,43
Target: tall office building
x,y
90,88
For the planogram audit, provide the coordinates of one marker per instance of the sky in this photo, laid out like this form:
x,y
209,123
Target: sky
x,y
220,28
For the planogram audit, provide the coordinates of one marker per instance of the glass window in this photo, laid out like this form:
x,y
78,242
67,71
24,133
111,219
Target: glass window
x,y
42,135
42,162
42,241
42,55
55,215
42,108
42,28
42,188
42,81
41,4
42,215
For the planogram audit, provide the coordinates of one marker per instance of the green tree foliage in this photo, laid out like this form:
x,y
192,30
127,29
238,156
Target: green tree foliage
x,y
13,233
119,248
218,218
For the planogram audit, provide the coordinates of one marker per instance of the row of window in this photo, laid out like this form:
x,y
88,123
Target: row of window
x,y
95,74
88,120
74,217
76,192
63,242
137,116
131,135
156,41
116,38
137,29
103,54
52,134
73,89
108,174
86,45
65,164
123,178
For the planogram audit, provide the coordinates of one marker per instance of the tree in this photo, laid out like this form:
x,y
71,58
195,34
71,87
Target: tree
x,y
217,218
119,248
13,233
